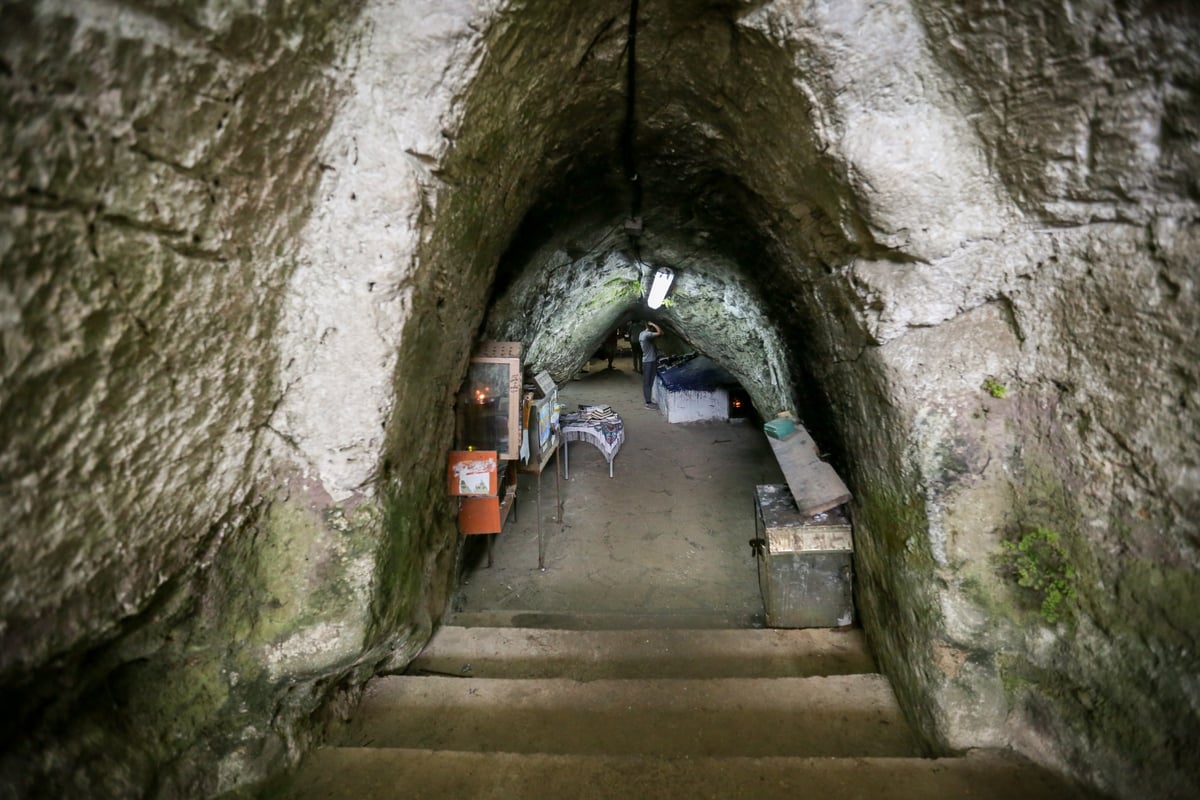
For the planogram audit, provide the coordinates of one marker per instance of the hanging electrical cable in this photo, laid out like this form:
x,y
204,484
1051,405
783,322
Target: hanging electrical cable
x,y
628,134
633,226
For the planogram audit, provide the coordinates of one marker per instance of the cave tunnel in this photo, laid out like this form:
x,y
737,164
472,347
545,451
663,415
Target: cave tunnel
x,y
248,250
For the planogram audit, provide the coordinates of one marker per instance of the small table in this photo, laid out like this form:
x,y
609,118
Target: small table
x,y
607,434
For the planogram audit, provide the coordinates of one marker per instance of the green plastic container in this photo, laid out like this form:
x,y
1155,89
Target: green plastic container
x,y
780,428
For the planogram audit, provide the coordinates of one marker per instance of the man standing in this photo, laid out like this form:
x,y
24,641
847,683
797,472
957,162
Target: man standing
x,y
649,361
610,345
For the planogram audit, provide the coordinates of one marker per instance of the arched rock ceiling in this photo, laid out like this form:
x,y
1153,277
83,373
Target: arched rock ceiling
x,y
773,146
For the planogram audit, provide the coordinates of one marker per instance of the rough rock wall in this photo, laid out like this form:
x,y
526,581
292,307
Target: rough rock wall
x,y
1075,291
234,323
158,160
1093,119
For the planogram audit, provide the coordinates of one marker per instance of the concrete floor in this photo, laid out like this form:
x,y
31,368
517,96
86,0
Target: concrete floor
x,y
663,542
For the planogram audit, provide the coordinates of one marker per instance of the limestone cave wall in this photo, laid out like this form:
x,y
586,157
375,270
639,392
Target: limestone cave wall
x,y
158,162
248,248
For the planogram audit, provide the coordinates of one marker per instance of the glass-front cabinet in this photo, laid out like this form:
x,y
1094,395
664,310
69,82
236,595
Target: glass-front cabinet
x,y
489,403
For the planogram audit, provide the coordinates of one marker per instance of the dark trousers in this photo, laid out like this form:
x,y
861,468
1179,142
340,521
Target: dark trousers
x,y
649,370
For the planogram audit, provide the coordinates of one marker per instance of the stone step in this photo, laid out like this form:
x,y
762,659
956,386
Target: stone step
x,y
379,773
840,715
649,653
679,618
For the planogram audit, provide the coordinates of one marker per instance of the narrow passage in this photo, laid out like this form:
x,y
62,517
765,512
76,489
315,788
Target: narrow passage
x,y
665,539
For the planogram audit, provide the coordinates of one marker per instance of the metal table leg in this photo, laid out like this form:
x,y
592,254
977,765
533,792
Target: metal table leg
x,y
557,493
541,539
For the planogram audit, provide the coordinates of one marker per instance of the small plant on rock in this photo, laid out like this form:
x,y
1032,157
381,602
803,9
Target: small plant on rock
x,y
1040,563
995,388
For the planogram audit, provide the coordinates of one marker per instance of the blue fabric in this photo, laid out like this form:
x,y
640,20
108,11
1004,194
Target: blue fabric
x,y
699,374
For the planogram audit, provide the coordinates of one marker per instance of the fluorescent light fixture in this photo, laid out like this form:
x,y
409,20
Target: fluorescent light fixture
x,y
658,290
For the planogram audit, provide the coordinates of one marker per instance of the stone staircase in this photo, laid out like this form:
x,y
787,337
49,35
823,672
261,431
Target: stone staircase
x,y
655,713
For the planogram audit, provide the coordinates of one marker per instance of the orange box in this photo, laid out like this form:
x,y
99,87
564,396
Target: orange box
x,y
479,515
472,473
